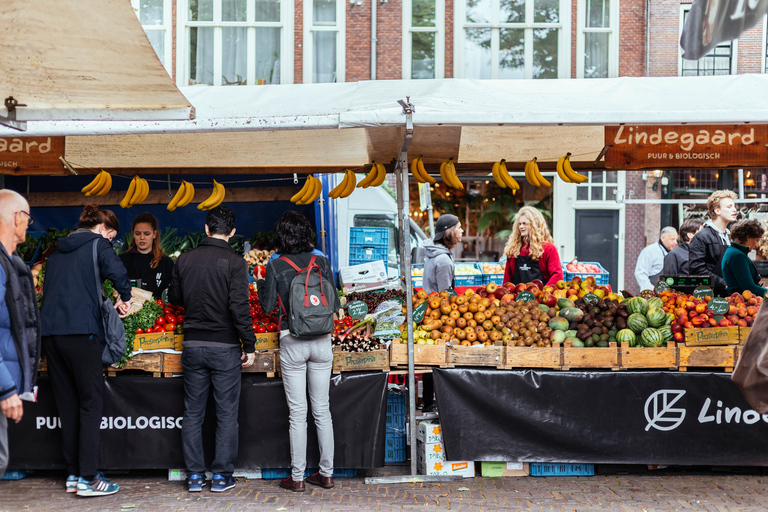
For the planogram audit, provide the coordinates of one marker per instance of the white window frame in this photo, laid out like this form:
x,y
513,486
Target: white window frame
x,y
734,45
167,26
341,40
765,44
564,38
613,38
438,29
182,41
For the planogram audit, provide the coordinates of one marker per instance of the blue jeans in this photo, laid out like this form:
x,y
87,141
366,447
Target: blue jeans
x,y
307,363
220,368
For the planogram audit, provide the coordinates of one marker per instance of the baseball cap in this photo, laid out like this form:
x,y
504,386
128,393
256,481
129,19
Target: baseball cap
x,y
443,224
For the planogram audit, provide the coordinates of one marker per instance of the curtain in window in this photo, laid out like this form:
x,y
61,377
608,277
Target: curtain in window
x,y
324,65
201,55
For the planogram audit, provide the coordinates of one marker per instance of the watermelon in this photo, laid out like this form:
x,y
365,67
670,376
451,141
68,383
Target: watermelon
x,y
655,302
637,305
666,332
627,336
637,322
656,316
670,319
651,338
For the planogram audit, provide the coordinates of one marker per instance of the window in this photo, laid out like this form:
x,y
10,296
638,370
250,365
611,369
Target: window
x,y
765,43
324,41
512,39
602,186
236,42
720,61
597,40
155,19
424,39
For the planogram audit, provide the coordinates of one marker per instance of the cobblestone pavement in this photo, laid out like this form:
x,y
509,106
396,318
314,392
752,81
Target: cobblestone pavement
x,y
657,491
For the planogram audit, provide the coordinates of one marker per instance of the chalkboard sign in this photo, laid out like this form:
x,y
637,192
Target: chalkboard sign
x,y
662,286
418,312
718,306
590,298
357,309
703,291
525,296
451,292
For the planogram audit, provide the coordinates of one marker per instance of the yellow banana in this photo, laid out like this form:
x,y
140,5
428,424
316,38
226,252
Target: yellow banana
x,y
496,177
220,193
529,174
509,180
146,191
309,192
381,176
189,194
107,185
536,172
137,192
180,194
424,174
315,191
450,175
94,184
575,177
366,182
298,195
415,170
561,171
350,186
338,189
205,205
126,202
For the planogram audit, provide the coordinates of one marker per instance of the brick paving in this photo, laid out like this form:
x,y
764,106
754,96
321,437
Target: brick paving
x,y
656,491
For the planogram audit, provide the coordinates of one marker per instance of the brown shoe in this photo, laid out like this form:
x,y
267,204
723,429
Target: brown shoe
x,y
292,485
322,481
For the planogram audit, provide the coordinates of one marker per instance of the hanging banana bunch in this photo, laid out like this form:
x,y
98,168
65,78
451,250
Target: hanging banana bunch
x,y
309,192
345,188
566,172
215,199
420,173
375,178
502,178
183,196
448,175
137,192
533,175
100,185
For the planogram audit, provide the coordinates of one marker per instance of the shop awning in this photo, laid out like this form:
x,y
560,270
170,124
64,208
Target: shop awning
x,y
83,60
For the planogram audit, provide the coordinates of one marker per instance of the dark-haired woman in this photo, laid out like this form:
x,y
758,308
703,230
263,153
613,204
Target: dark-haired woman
x,y
676,260
304,363
145,260
739,272
72,333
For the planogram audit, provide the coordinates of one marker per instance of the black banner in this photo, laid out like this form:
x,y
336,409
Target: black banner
x,y
141,425
599,417
711,22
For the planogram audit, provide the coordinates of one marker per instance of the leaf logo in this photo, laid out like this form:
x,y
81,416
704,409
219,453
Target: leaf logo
x,y
659,412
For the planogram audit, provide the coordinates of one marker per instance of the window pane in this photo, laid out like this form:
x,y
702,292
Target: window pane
x,y
596,55
233,10
268,55
233,55
200,10
157,40
477,53
611,177
610,193
546,11
151,12
582,193
324,70
423,13
545,52
597,177
511,53
597,194
598,13
512,11
423,55
324,12
267,10
479,11
201,55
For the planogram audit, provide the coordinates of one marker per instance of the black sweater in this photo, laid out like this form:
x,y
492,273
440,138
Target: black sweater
x,y
705,255
153,280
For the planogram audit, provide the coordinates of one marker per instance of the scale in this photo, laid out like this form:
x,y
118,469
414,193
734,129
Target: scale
x,y
685,284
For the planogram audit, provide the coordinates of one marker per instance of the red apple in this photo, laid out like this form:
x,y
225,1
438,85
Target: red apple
x,y
500,292
537,283
520,287
508,298
548,299
676,327
491,288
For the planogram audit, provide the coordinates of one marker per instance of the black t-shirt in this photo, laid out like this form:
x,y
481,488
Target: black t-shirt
x,y
153,280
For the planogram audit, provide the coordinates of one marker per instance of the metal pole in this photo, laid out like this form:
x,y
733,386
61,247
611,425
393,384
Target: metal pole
x,y
429,211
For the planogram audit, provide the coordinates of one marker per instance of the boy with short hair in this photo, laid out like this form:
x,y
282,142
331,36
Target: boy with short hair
x,y
708,245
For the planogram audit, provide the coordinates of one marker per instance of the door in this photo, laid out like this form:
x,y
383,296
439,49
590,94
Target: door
x,y
597,239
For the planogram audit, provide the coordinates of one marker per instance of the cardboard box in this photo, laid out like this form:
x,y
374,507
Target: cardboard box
x,y
497,469
461,468
154,341
267,341
431,453
368,276
429,432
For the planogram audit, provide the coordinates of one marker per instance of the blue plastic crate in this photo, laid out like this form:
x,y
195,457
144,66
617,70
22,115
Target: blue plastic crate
x,y
417,280
280,473
601,278
493,278
467,280
369,237
359,254
561,469
394,450
397,411
11,474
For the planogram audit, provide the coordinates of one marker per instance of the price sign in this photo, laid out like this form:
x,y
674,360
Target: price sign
x,y
718,306
525,296
662,286
591,298
451,292
703,291
418,312
357,309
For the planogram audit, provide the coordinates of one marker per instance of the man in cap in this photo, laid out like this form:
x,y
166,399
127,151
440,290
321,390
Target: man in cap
x,y
438,264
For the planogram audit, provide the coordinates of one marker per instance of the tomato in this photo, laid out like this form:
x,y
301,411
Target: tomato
x,y
179,330
260,329
180,309
272,327
139,331
169,327
179,319
160,321
170,319
160,303
169,311
254,315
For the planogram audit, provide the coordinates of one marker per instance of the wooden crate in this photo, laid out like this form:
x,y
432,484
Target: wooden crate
x,y
591,357
533,357
648,357
477,355
152,363
172,364
267,341
267,361
154,341
707,357
359,361
424,355
712,336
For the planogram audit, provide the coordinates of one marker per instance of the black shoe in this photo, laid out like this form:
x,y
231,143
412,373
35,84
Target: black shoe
x,y
222,483
195,482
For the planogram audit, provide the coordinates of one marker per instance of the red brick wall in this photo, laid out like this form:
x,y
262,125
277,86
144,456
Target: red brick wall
x,y
173,41
634,234
574,28
298,39
389,49
751,54
665,37
358,55
449,38
632,38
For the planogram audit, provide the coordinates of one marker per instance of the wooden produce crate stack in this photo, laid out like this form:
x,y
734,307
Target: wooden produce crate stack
x,y
632,358
591,357
373,360
533,357
476,355
423,355
714,347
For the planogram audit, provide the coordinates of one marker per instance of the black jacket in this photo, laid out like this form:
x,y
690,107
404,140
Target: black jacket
x,y
153,280
676,261
70,300
705,253
278,281
211,282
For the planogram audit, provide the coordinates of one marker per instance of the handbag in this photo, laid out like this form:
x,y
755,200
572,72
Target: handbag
x,y
114,330
751,371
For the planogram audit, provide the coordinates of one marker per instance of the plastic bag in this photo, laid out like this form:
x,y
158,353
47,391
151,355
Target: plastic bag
x,y
389,316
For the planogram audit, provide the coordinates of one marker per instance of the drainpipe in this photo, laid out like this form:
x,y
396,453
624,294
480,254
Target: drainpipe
x,y
647,37
373,39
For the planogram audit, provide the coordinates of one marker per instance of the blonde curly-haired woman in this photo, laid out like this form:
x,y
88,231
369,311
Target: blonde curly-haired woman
x,y
530,252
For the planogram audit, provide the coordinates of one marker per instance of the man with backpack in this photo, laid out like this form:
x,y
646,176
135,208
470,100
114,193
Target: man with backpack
x,y
301,284
211,282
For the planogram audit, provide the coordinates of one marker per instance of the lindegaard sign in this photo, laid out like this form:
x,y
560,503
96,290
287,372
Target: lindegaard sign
x,y
666,410
686,146
710,22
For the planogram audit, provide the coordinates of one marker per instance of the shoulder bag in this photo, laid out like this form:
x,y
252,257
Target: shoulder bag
x,y
114,330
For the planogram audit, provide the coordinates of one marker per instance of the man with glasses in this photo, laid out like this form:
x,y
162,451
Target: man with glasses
x,y
19,318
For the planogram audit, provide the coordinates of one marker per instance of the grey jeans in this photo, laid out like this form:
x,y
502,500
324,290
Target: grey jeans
x,y
307,363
